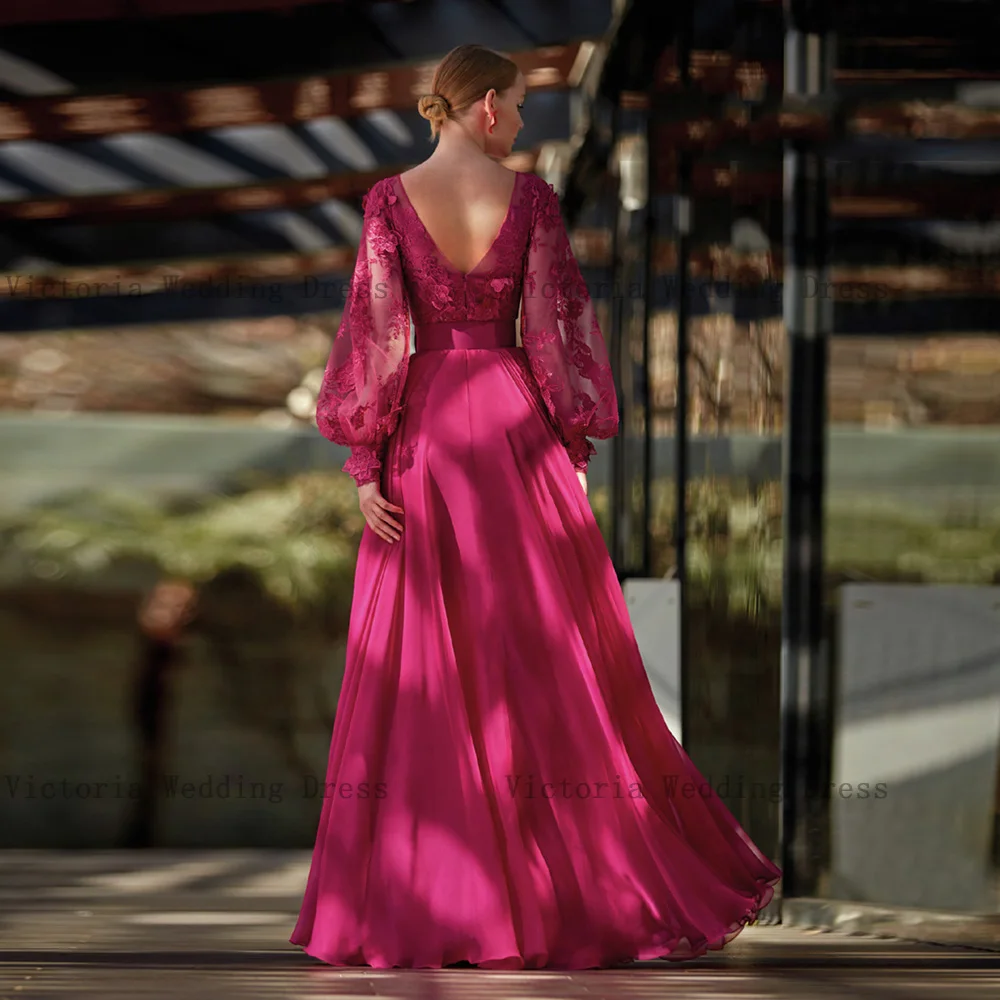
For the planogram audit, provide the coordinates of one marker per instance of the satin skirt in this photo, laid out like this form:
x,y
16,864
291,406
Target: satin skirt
x,y
502,789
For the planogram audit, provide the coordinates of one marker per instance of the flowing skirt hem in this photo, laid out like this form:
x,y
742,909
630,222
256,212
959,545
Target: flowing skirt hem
x,y
459,646
679,950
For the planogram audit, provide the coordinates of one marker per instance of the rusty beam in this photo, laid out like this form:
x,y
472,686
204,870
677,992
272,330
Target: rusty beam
x,y
925,198
709,262
173,275
47,11
706,128
928,197
718,262
344,95
718,71
175,203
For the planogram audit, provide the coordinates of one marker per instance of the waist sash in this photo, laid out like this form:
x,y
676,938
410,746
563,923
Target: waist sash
x,y
478,335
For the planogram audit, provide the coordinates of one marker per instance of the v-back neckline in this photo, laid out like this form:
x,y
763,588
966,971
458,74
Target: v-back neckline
x,y
433,242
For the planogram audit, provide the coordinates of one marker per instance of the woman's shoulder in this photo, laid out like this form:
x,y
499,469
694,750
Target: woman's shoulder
x,y
540,191
380,195
536,181
542,199
383,193
432,178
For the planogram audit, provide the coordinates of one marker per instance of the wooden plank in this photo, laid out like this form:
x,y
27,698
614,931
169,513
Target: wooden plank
x,y
345,95
45,11
174,203
703,129
150,277
744,272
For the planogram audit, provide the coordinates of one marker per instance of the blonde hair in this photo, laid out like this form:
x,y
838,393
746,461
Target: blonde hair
x,y
463,77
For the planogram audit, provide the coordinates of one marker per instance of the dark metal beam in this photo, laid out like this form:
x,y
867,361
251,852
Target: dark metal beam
x,y
635,44
616,341
173,203
808,322
515,20
106,10
287,101
648,309
683,229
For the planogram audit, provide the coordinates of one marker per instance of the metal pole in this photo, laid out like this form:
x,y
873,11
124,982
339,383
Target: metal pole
x,y
808,315
649,250
682,229
617,492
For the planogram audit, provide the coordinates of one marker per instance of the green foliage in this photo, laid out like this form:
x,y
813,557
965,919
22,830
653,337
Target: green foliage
x,y
734,535
298,539
886,539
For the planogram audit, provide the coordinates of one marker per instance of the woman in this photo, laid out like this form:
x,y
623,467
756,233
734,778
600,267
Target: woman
x,y
501,788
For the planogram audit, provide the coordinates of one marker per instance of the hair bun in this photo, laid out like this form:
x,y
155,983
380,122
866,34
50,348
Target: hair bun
x,y
433,107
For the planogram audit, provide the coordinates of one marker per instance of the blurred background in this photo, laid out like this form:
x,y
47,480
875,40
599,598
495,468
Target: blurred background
x,y
790,218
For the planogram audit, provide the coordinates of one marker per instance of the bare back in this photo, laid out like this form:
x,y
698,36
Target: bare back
x,y
462,207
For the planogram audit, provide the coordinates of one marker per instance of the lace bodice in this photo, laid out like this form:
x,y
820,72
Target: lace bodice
x,y
400,273
439,292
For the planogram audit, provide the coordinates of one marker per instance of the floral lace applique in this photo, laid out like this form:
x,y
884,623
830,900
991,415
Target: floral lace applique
x,y
358,403
400,272
440,292
561,335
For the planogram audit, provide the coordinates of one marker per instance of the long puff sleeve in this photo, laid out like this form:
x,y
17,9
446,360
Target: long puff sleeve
x,y
358,404
561,336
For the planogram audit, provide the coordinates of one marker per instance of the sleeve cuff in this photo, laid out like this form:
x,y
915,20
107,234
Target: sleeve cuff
x,y
580,452
364,466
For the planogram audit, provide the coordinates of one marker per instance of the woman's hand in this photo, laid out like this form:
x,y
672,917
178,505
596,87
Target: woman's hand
x,y
581,474
376,509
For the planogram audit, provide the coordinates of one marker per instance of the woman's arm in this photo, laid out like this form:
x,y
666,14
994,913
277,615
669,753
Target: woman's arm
x,y
358,403
561,336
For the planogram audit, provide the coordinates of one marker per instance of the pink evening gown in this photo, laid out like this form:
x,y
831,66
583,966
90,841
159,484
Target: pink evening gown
x,y
502,789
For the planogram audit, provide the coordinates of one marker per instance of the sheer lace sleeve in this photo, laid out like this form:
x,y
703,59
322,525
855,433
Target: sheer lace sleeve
x,y
358,403
561,336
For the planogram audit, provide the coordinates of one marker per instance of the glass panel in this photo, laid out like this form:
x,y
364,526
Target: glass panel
x,y
913,497
914,461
